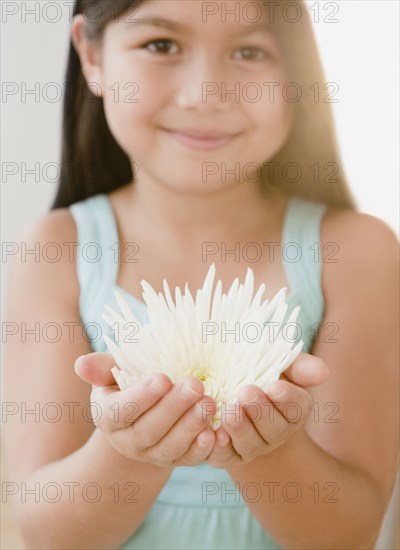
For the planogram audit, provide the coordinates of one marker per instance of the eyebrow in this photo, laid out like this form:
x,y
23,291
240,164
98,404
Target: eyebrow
x,y
250,28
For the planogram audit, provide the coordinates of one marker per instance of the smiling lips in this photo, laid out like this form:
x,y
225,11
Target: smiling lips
x,y
201,139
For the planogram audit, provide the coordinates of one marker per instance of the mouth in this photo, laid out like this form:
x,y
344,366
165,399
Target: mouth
x,y
201,140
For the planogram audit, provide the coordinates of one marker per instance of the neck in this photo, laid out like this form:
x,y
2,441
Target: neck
x,y
234,213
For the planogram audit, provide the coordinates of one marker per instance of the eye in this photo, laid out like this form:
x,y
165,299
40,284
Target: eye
x,y
161,45
251,53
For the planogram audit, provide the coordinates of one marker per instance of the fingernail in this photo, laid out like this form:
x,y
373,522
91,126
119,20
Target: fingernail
x,y
188,390
276,391
78,362
157,385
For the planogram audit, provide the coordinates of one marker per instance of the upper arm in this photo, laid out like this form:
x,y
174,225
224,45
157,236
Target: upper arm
x,y
362,300
45,402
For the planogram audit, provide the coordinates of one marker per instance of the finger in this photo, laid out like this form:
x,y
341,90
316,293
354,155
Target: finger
x,y
180,437
95,368
292,401
268,421
199,450
156,422
122,408
183,435
223,455
245,439
307,370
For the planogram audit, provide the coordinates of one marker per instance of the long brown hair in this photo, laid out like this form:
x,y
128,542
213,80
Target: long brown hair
x,y
308,165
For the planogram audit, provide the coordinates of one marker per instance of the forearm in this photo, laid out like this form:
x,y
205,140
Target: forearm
x,y
104,499
308,499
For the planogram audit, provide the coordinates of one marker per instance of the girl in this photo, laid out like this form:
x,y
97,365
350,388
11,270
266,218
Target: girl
x,y
171,161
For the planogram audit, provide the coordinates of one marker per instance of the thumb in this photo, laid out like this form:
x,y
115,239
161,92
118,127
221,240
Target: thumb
x,y
95,368
307,370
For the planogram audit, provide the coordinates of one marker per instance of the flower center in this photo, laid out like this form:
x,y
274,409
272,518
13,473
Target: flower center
x,y
202,373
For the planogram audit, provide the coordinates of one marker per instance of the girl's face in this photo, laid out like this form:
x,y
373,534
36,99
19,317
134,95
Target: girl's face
x,y
175,68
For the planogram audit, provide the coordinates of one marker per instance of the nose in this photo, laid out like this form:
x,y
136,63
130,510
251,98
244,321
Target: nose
x,y
203,86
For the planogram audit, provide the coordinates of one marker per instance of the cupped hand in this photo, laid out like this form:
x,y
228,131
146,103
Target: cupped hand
x,y
261,422
154,420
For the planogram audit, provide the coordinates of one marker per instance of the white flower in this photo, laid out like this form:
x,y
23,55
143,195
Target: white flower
x,y
225,340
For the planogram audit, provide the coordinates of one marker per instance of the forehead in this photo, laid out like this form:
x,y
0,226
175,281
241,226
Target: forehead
x,y
229,16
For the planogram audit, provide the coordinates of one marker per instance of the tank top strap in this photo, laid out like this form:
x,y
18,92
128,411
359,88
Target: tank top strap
x,y
301,252
97,251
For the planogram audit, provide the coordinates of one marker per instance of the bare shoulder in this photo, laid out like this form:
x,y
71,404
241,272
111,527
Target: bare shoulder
x,y
46,253
55,225
357,248
349,224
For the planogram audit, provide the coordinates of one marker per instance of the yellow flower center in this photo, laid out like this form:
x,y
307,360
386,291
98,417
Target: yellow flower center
x,y
201,373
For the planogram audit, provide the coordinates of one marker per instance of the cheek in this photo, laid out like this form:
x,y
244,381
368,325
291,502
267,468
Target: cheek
x,y
268,106
128,96
273,123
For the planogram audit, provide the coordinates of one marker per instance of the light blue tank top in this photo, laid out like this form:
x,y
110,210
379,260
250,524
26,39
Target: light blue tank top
x,y
199,507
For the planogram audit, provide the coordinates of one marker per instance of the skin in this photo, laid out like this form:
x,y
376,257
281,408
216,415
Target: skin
x,y
359,452
165,427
